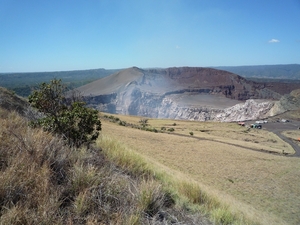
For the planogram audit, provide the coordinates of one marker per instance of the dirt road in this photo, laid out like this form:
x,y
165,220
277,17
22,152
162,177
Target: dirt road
x,y
278,127
274,127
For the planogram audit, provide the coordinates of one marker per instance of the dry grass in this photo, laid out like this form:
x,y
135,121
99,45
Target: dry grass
x,y
178,187
292,134
230,133
261,186
45,182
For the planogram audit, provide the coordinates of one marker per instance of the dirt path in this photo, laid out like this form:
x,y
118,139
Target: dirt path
x,y
278,127
241,146
295,146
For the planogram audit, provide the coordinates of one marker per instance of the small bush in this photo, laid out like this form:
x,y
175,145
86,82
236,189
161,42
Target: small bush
x,y
122,123
191,133
171,129
144,122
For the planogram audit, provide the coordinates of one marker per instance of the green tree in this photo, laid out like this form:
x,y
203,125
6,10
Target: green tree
x,y
68,117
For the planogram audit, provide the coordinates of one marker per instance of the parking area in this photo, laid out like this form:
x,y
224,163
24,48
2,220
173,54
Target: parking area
x,y
278,126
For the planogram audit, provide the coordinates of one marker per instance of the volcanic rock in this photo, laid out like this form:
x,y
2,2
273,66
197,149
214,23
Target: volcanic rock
x,y
182,93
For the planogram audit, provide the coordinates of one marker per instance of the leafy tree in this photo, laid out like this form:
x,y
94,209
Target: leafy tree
x,y
65,116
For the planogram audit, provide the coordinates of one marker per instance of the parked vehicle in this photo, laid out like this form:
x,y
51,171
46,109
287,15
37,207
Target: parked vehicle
x,y
261,121
257,126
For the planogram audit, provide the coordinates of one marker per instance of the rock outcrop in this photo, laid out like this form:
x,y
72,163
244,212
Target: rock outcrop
x,y
286,103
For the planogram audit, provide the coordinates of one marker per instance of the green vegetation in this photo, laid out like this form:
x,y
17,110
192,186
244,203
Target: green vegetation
x,y
67,117
171,129
289,71
144,122
23,83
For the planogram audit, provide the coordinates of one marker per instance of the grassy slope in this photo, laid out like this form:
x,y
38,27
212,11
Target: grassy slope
x,y
45,182
262,186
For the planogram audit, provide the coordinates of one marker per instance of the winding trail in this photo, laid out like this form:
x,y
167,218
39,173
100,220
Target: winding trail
x,y
295,146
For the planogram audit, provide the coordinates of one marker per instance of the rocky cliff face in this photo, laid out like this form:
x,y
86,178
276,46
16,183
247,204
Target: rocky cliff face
x,y
180,93
250,110
286,103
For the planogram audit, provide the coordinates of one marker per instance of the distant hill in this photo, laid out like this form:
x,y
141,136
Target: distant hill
x,y
179,80
22,83
179,92
288,71
11,102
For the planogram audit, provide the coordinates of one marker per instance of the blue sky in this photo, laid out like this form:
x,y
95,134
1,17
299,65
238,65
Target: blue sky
x,y
57,35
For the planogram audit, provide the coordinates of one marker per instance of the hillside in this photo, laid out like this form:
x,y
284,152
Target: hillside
x,y
22,83
236,165
182,79
181,93
44,181
287,103
12,102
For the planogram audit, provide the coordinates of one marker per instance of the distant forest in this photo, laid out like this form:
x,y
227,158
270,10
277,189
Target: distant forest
x,y
284,72
23,83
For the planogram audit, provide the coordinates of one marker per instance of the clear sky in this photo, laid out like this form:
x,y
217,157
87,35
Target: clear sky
x,y
57,35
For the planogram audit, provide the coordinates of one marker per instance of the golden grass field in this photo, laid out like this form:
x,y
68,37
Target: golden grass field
x,y
220,157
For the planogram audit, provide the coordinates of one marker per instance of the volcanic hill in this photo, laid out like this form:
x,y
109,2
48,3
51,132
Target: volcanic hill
x,y
181,93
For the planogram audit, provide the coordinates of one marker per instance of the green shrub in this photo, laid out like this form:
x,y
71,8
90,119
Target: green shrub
x,y
122,123
191,133
171,129
68,117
